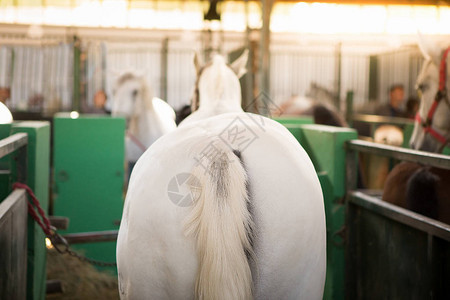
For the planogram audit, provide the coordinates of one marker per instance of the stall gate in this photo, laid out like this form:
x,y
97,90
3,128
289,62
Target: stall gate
x,y
374,250
391,252
25,153
13,226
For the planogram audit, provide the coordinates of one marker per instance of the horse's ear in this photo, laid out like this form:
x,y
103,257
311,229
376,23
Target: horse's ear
x,y
429,48
239,65
197,63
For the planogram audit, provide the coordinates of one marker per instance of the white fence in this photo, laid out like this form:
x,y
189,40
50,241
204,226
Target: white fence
x,y
41,77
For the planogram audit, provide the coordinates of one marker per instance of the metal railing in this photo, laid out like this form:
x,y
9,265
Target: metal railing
x,y
427,158
12,143
16,143
386,209
379,120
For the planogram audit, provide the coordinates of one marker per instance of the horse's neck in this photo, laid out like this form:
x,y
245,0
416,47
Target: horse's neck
x,y
147,127
221,94
225,100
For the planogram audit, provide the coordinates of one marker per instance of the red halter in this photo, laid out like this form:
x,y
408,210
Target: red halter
x,y
441,94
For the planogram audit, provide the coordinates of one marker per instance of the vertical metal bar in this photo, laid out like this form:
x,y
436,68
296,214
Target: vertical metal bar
x,y
352,256
349,108
338,75
264,63
76,73
373,78
22,164
351,170
164,66
249,78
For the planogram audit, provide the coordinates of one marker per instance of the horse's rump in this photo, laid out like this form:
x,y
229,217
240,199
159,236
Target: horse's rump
x,y
286,205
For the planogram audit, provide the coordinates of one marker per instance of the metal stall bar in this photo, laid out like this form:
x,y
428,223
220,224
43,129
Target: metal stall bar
x,y
371,122
401,215
90,237
12,143
375,119
426,158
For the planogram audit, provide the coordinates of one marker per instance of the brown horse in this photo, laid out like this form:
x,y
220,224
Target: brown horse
x,y
426,190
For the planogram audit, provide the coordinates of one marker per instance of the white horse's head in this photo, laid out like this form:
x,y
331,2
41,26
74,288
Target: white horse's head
x,y
131,96
432,127
217,85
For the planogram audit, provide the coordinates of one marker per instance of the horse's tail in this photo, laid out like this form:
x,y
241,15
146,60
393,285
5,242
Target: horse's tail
x,y
222,225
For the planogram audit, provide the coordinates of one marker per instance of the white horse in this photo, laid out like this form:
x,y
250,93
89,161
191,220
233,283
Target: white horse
x,y
5,115
148,118
432,128
227,206
422,189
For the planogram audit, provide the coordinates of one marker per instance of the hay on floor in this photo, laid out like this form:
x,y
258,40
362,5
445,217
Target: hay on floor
x,y
80,280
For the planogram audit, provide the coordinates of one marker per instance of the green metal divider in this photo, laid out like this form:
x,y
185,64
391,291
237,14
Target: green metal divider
x,y
325,146
294,120
37,171
88,161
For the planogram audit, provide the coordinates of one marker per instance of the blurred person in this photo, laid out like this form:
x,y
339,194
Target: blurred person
x,y
5,94
393,107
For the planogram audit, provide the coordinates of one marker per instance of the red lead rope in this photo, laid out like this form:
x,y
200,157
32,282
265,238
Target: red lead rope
x,y
45,223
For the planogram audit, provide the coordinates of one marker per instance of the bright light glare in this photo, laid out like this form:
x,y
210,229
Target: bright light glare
x,y
322,18
302,17
48,243
74,115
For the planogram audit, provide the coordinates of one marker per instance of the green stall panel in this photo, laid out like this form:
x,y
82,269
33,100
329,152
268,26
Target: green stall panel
x,y
325,147
407,133
88,160
37,178
294,120
5,165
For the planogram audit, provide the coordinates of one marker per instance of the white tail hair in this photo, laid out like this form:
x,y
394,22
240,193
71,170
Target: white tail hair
x,y
222,225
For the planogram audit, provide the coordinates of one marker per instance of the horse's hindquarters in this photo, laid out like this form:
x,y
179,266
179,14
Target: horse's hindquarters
x,y
157,260
289,218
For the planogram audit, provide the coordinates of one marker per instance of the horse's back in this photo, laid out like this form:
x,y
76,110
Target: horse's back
x,y
156,259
